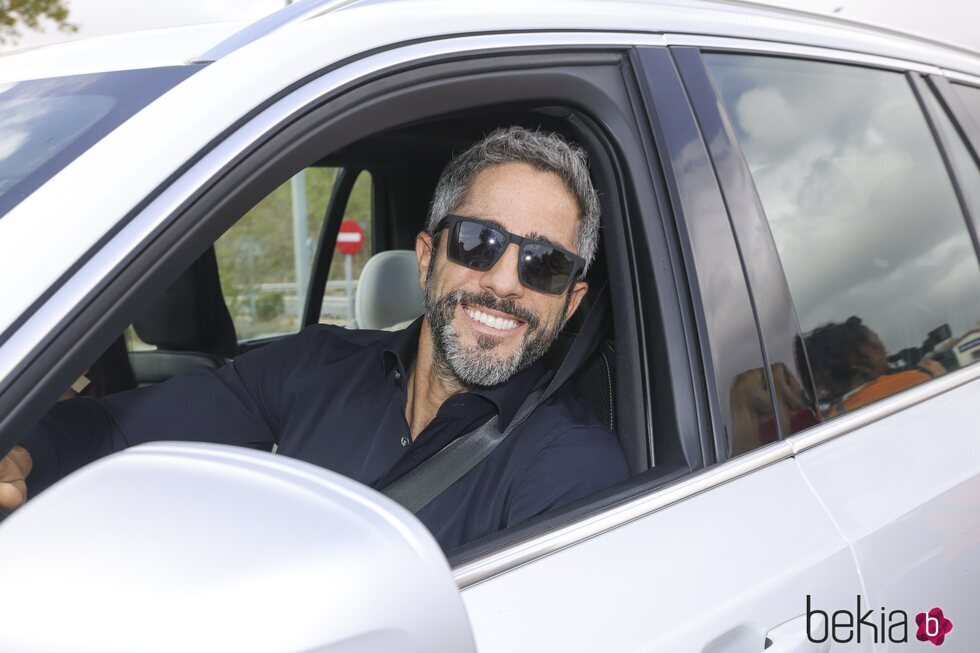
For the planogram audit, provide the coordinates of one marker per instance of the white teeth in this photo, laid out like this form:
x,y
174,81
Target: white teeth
x,y
491,321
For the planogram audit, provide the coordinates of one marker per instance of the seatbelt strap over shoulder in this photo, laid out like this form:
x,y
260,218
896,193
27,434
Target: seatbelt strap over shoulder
x,y
420,486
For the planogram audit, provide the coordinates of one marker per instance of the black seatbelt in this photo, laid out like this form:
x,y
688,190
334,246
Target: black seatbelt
x,y
420,486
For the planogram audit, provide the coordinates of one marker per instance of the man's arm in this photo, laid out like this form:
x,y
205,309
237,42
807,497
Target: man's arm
x,y
575,464
237,404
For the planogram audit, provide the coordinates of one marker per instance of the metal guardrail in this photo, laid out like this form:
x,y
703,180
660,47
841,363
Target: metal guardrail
x,y
288,287
333,305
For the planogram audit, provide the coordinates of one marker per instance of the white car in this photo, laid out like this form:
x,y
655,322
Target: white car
x,y
791,207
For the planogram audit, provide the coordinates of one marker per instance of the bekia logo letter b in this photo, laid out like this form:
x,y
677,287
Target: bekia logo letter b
x,y
933,626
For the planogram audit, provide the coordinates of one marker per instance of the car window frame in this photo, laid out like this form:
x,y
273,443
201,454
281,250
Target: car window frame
x,y
217,200
333,215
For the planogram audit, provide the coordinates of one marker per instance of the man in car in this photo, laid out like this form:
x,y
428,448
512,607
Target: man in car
x,y
512,227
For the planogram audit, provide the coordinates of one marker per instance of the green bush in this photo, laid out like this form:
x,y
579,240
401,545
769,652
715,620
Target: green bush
x,y
269,306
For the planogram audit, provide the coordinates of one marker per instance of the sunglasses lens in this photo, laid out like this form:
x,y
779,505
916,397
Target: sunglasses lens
x,y
545,268
476,245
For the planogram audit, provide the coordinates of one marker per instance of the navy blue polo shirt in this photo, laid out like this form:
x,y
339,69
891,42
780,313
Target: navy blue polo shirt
x,y
336,398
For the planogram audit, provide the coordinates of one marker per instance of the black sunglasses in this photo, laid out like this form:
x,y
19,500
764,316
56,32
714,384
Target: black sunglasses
x,y
478,245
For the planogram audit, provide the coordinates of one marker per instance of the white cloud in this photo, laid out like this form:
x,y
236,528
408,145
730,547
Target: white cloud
x,y
861,207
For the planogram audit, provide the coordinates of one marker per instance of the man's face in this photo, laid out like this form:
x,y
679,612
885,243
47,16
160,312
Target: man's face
x,y
486,325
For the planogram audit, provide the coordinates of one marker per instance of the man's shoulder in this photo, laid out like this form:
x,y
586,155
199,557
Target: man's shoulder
x,y
568,405
566,419
328,340
566,454
333,334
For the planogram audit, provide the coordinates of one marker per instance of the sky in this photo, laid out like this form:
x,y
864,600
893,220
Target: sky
x,y
953,21
100,17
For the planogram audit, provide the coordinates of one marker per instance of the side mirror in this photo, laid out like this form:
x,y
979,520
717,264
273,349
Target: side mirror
x,y
181,547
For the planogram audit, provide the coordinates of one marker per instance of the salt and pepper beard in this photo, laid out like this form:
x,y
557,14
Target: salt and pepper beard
x,y
479,366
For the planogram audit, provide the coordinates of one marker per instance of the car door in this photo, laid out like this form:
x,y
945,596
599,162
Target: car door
x,y
720,560
728,559
874,226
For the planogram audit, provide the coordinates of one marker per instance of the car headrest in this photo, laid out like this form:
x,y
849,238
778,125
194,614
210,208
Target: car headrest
x,y
388,291
191,315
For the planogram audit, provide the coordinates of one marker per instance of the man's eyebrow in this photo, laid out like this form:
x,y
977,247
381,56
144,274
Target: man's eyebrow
x,y
533,235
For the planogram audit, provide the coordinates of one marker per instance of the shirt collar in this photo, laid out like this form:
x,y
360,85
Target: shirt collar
x,y
507,397
402,348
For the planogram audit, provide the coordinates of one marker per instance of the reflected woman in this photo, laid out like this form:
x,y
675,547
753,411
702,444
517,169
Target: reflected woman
x,y
850,367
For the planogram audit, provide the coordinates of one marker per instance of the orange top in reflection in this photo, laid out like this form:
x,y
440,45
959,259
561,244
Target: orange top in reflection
x,y
879,388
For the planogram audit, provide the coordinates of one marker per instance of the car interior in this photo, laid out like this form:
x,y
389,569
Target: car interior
x,y
189,324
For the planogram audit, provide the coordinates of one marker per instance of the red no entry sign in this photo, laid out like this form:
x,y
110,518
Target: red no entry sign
x,y
350,239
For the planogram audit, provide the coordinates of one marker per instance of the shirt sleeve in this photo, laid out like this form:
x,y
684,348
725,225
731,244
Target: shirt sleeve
x,y
238,404
575,464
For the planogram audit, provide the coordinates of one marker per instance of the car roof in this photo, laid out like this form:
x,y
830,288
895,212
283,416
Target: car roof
x,y
725,18
172,46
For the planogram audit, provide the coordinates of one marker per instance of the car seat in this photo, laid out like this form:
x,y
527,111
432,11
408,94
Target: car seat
x,y
189,323
388,294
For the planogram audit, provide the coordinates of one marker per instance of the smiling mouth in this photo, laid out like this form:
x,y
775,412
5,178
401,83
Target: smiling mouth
x,y
492,321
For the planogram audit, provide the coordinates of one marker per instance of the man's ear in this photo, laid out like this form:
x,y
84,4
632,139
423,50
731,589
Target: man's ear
x,y
577,293
423,252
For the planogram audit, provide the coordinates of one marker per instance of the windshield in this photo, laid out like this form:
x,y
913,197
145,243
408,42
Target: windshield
x,y
45,124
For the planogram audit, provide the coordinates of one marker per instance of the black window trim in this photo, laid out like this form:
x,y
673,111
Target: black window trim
x,y
334,214
772,304
681,145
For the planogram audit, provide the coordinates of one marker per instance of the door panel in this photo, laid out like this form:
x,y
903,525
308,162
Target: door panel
x,y
875,243
715,572
905,492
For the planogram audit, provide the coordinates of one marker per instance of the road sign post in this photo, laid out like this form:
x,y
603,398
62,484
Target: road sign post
x,y
350,239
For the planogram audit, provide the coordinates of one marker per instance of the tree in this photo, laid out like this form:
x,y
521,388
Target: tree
x,y
31,13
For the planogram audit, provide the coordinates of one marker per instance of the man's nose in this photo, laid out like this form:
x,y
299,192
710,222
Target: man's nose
x,y
502,279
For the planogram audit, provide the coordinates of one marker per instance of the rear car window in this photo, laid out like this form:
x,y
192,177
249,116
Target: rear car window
x,y
874,244
45,124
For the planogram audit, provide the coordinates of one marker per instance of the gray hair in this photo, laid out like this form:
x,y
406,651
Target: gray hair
x,y
544,151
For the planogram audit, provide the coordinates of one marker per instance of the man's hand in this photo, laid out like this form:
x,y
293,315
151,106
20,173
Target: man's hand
x,y
14,469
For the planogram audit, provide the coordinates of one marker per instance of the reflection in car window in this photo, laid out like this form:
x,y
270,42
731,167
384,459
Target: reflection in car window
x,y
45,124
970,95
35,129
873,242
965,165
